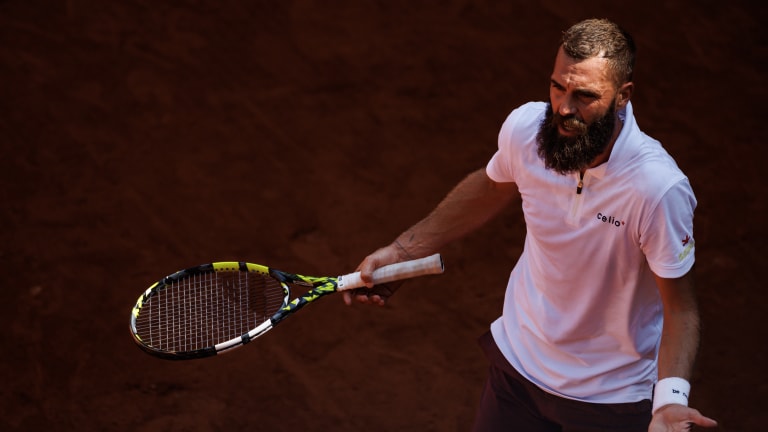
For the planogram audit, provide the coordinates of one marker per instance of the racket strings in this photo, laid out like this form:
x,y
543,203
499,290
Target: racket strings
x,y
207,309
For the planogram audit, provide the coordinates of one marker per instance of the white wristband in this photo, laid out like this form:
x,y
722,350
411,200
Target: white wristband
x,y
670,391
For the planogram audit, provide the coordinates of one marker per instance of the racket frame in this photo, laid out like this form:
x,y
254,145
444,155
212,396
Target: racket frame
x,y
320,286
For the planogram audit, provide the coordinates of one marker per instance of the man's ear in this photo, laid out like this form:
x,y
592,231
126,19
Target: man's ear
x,y
624,94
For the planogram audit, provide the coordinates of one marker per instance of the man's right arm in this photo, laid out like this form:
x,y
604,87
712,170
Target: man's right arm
x,y
471,203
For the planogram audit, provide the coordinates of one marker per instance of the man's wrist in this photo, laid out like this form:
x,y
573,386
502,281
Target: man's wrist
x,y
671,390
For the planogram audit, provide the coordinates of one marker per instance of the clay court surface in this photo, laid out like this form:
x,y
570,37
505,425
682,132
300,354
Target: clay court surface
x,y
142,137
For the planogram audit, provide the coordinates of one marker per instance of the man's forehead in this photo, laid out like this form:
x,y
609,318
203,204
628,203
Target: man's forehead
x,y
593,72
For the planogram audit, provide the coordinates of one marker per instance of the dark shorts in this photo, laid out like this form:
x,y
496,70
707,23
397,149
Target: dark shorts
x,y
510,402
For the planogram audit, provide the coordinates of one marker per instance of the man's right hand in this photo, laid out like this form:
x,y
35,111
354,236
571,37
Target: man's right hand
x,y
379,294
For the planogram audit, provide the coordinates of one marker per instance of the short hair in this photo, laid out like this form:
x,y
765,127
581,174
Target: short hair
x,y
605,39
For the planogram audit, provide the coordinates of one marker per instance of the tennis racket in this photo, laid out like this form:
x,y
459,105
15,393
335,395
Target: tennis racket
x,y
212,308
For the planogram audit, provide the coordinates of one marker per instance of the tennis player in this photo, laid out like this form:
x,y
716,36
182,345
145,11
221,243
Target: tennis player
x,y
600,325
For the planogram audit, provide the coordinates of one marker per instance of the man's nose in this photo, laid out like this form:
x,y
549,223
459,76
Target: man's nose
x,y
566,108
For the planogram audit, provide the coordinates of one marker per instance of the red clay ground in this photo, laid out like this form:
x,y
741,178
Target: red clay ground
x,y
141,137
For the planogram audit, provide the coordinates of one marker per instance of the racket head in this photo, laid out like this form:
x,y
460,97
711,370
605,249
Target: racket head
x,y
204,310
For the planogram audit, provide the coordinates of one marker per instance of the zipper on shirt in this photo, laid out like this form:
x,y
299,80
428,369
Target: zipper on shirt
x,y
574,214
580,186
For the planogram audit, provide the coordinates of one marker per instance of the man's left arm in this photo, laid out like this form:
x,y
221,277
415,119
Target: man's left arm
x,y
679,345
680,336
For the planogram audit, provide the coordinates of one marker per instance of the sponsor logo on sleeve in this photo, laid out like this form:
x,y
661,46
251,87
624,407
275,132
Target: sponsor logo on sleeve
x,y
688,244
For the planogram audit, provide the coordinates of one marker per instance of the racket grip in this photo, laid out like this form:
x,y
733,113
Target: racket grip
x,y
432,264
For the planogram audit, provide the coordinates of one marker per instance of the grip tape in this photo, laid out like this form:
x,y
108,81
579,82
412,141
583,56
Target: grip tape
x,y
432,264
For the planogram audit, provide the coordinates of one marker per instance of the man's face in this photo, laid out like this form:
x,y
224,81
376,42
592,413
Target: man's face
x,y
576,151
581,118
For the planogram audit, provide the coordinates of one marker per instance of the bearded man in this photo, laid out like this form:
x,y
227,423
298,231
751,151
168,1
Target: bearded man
x,y
600,326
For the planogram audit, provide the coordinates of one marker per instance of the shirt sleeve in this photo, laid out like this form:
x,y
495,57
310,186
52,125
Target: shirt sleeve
x,y
667,239
517,133
501,166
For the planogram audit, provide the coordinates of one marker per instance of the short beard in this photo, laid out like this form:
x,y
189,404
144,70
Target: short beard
x,y
570,154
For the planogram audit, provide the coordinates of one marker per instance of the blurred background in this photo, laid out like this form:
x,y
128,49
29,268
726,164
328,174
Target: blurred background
x,y
142,137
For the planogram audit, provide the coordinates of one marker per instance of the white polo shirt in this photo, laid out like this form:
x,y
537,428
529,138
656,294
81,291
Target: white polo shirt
x,y
582,315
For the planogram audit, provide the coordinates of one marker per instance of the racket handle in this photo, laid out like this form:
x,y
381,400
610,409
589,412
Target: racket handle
x,y
432,264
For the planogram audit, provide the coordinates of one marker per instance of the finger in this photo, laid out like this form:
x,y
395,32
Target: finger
x,y
377,300
700,420
355,296
366,271
362,297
